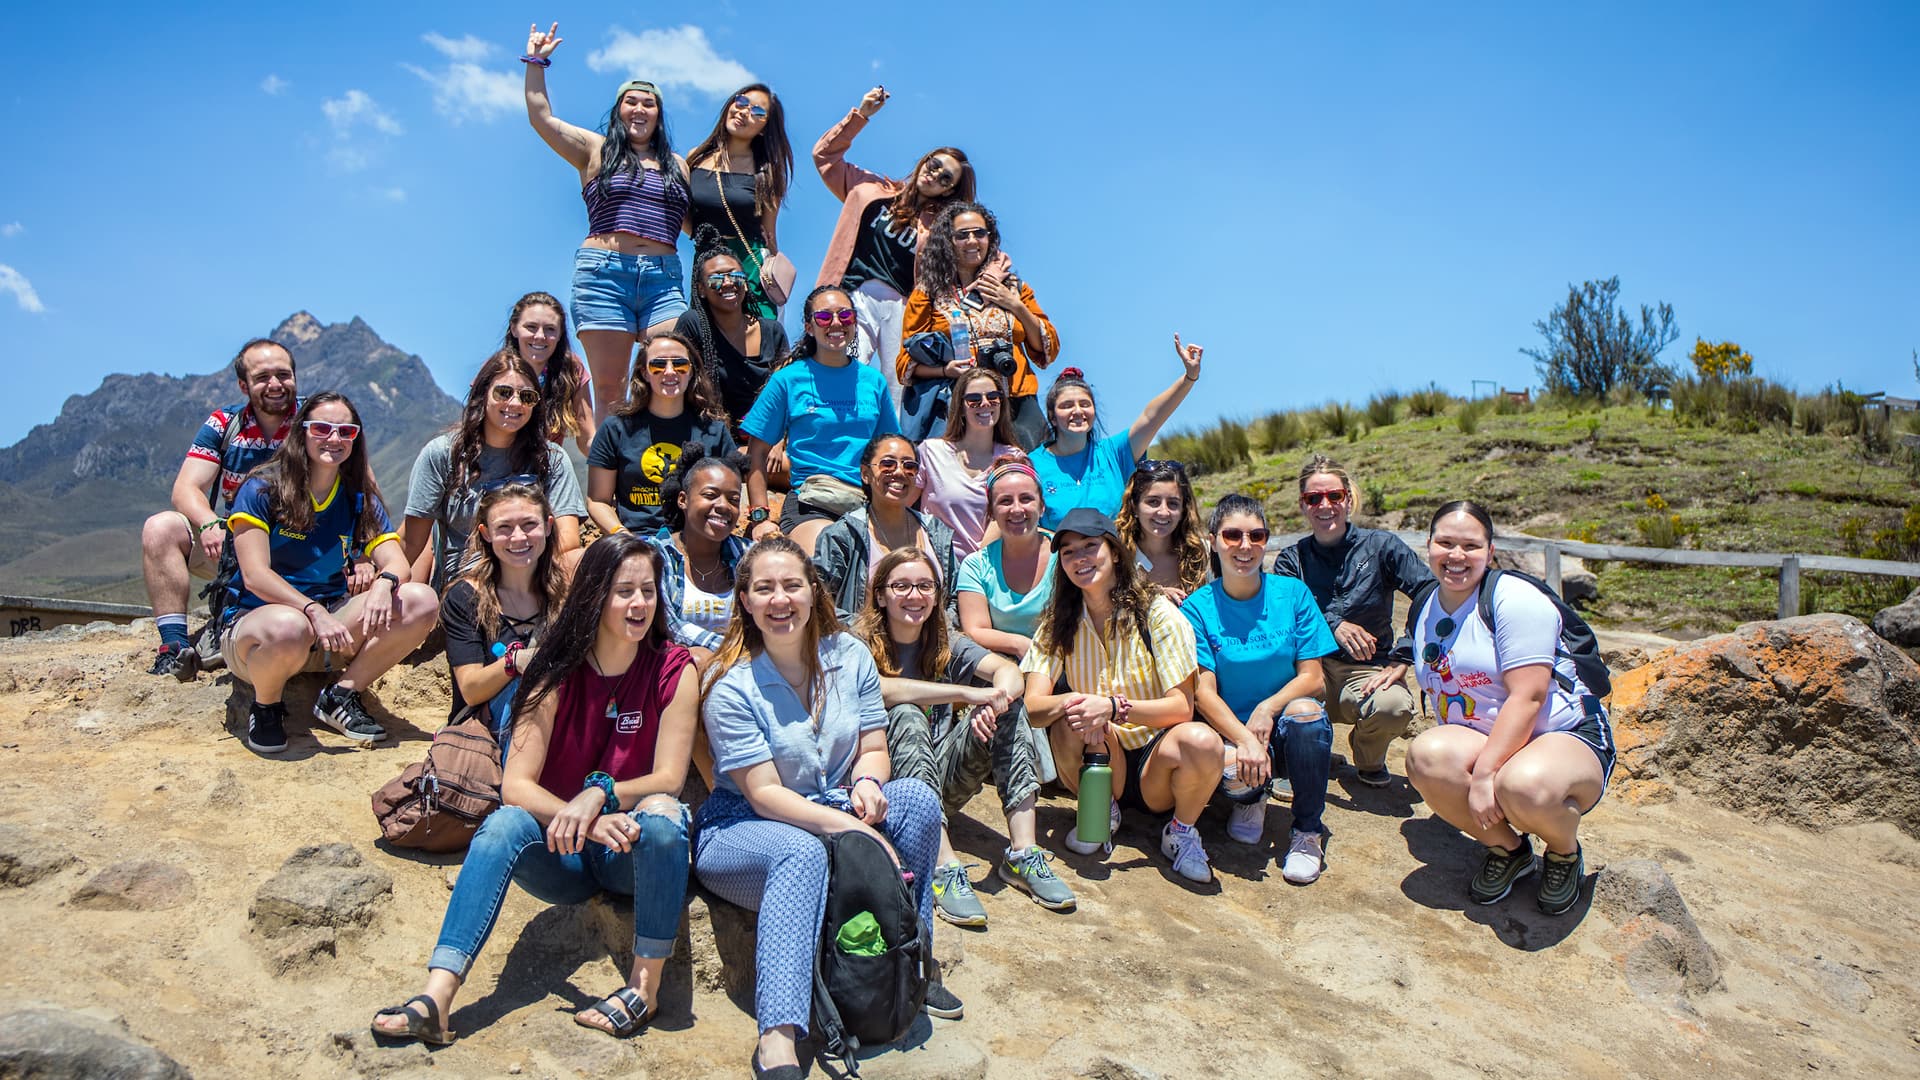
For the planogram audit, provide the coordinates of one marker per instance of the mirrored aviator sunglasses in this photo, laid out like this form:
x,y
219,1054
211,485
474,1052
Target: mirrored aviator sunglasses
x,y
744,102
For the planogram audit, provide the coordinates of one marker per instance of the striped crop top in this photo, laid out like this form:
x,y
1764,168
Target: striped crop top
x,y
640,202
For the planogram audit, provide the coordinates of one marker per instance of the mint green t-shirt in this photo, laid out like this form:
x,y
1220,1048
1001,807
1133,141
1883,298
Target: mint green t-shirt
x,y
1013,612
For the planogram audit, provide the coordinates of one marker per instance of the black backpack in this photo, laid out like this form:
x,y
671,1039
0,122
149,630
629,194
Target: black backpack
x,y
868,1000
1576,637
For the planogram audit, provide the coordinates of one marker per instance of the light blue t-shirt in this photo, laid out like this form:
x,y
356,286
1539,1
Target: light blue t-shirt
x,y
826,414
1251,646
754,715
1014,613
1095,477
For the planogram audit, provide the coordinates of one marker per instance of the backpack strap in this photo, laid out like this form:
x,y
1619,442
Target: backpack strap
x,y
1484,603
226,441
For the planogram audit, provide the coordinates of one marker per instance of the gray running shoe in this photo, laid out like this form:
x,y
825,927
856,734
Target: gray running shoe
x,y
942,1003
953,897
1560,877
1028,871
1500,870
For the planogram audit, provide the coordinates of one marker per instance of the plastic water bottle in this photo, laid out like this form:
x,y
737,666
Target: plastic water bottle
x,y
960,332
1096,798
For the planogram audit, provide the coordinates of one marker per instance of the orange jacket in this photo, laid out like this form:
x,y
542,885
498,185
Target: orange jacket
x,y
923,316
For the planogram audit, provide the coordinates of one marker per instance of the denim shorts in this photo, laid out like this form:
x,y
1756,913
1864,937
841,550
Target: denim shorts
x,y
612,291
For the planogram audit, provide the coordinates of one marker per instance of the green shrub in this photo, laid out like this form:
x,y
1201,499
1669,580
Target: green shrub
x,y
1505,404
1383,408
1429,402
1337,419
1220,448
1277,432
1374,498
1467,419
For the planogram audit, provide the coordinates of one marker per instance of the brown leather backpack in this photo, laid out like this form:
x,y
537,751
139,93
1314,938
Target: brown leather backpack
x,y
438,804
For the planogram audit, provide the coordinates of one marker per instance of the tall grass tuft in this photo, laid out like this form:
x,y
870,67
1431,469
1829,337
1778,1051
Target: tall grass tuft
x,y
1467,419
1280,431
1383,408
1429,402
1339,420
1220,448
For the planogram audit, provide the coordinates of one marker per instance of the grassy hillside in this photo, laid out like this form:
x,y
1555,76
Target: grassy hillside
x,y
1616,475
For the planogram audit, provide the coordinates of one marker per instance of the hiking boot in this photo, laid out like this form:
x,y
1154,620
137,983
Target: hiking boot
x,y
168,660
1181,844
1378,776
266,728
1500,870
1028,871
1305,858
953,898
341,710
942,1003
1560,877
1247,821
1081,847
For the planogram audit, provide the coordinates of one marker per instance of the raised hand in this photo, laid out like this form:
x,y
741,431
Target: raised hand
x,y
1190,356
542,45
874,100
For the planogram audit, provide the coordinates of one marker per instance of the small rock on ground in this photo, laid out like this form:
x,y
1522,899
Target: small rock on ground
x,y
135,885
49,1044
26,856
322,885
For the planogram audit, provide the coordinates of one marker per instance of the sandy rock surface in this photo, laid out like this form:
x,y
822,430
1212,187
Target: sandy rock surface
x,y
1798,959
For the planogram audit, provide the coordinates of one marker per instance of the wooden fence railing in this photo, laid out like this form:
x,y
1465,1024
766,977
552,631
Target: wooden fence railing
x,y
1789,566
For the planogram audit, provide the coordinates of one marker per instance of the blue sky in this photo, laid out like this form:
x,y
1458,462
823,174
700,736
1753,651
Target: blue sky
x,y
1334,199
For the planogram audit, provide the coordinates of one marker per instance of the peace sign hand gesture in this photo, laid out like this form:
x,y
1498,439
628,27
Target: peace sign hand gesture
x,y
542,45
1190,356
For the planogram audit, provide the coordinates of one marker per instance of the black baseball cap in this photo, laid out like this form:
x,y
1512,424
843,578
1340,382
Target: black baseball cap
x,y
1086,521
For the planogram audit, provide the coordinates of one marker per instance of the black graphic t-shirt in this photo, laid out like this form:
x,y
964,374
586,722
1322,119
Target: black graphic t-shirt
x,y
641,449
883,250
738,376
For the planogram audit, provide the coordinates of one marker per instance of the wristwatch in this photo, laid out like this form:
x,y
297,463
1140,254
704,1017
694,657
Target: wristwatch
x,y
756,515
604,783
392,578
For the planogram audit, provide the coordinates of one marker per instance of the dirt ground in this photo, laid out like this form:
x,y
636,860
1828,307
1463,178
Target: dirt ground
x,y
1379,970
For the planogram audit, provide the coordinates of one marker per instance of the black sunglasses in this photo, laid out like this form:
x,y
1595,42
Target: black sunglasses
x,y
1434,650
1151,464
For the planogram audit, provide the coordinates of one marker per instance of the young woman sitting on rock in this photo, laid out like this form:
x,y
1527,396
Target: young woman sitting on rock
x,y
794,715
294,522
602,732
1004,587
497,611
1159,523
848,550
924,672
1523,748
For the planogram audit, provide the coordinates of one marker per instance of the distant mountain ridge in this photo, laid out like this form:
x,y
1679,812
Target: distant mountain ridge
x,y
109,459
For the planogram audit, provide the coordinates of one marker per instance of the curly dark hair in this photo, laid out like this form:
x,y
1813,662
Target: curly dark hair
x,y
694,457
1189,543
936,271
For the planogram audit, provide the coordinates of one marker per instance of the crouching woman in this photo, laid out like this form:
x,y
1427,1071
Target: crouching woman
x,y
799,735
602,732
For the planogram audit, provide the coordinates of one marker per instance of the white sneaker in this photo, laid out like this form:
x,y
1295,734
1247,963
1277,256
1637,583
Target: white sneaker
x,y
1247,822
1081,847
1304,858
1189,857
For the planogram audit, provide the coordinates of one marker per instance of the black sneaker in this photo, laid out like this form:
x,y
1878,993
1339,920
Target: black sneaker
x,y
341,710
1375,777
167,661
1560,877
1500,870
266,728
942,1003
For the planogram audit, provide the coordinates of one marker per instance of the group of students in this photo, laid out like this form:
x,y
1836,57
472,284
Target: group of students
x,y
989,602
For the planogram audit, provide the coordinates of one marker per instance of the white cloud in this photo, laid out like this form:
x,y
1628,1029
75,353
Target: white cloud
x,y
680,57
345,157
469,49
13,281
12,229
274,85
355,110
393,194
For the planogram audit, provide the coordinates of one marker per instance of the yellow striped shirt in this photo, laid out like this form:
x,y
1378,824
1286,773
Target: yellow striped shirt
x,y
1128,666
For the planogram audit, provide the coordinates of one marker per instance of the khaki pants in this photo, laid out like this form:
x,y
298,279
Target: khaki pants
x,y
1376,723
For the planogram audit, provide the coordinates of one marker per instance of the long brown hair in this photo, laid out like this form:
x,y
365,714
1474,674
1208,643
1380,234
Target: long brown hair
x,y
1189,539
529,451
907,206
772,154
870,625
572,632
483,566
744,641
957,421
287,474
1061,619
702,399
561,382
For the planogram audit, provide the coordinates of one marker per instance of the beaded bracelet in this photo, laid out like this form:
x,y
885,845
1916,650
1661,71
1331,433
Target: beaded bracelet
x,y
875,779
539,61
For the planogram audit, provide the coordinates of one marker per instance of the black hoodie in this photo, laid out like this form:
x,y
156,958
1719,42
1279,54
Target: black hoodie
x,y
1354,581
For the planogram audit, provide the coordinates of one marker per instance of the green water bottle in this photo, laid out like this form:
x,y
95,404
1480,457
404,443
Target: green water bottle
x,y
1096,798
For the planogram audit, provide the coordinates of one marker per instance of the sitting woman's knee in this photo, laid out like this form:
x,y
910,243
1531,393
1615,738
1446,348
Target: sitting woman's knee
x,y
1304,710
662,820
1197,744
417,603
1433,758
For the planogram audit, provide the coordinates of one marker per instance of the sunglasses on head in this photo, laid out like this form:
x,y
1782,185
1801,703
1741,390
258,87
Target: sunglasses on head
x,y
970,234
1331,498
843,316
1251,536
896,464
528,479
327,429
659,364
502,392
976,398
719,281
742,101
1151,464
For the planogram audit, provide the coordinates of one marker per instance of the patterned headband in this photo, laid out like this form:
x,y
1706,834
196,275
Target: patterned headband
x,y
1011,468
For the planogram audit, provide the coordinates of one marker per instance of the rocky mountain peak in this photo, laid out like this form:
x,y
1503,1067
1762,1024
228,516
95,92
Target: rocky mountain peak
x,y
300,328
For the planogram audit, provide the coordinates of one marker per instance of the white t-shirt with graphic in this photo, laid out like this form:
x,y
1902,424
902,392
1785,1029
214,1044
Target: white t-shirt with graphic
x,y
1464,684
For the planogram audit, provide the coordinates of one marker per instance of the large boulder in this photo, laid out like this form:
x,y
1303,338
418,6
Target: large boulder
x,y
1900,623
50,1044
322,885
1805,720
